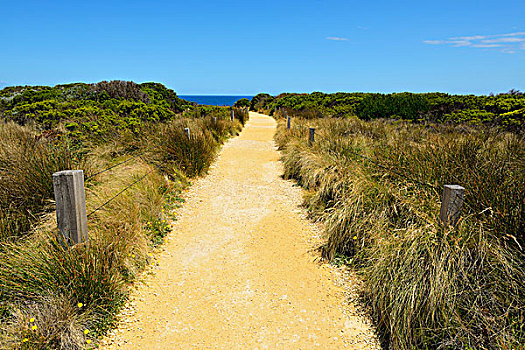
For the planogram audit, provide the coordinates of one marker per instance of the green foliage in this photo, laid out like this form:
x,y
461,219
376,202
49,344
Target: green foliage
x,y
504,110
243,102
97,111
260,101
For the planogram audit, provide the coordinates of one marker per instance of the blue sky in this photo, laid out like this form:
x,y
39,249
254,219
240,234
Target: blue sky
x,y
246,47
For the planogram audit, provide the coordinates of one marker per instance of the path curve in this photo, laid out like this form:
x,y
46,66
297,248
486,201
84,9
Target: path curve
x,y
238,271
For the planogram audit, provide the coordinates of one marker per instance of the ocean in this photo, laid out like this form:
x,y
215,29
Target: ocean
x,y
214,100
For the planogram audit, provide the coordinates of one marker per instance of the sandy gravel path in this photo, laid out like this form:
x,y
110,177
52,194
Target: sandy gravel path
x,y
238,271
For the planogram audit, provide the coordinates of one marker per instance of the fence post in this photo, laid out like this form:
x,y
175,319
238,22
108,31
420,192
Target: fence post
x,y
233,115
288,121
187,131
70,199
451,204
311,135
214,120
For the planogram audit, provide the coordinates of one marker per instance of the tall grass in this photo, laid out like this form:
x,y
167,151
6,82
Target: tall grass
x,y
50,296
87,283
27,162
429,286
195,154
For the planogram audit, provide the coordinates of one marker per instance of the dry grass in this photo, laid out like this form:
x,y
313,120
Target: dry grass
x,y
97,274
428,286
69,291
26,165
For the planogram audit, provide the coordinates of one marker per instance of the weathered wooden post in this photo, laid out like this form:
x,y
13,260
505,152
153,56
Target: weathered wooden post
x,y
311,135
451,204
214,120
187,132
70,199
288,121
233,115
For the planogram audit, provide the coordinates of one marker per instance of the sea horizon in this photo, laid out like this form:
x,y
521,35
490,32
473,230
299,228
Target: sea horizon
x,y
215,100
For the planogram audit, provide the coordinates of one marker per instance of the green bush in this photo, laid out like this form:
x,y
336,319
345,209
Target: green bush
x,y
434,107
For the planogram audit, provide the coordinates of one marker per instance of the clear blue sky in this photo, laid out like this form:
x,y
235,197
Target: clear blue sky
x,y
246,47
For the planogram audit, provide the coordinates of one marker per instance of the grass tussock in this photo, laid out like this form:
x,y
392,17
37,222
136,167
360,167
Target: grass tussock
x,y
429,286
27,161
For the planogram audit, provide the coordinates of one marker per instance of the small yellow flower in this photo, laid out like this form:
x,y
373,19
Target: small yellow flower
x,y
34,328
88,341
86,331
80,304
355,238
150,254
32,319
25,340
133,256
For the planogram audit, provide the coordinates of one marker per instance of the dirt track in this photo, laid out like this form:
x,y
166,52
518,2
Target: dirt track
x,y
237,272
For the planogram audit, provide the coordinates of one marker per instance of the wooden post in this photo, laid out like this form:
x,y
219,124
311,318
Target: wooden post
x,y
214,120
233,115
187,131
451,204
70,199
288,122
311,135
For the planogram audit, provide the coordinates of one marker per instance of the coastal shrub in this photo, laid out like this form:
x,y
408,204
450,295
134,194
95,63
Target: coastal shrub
x,y
243,102
502,110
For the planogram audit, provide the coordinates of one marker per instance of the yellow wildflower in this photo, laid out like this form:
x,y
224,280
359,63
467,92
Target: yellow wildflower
x,y
133,256
80,304
34,328
88,341
32,319
355,238
25,340
86,331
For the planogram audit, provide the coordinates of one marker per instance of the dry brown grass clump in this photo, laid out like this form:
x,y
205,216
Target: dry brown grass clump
x,y
27,161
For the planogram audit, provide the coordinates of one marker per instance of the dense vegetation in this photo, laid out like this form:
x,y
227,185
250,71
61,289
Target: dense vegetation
x,y
428,286
505,110
102,109
56,298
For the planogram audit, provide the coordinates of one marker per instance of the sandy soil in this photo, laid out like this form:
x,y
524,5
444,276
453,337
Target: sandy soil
x,y
239,270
